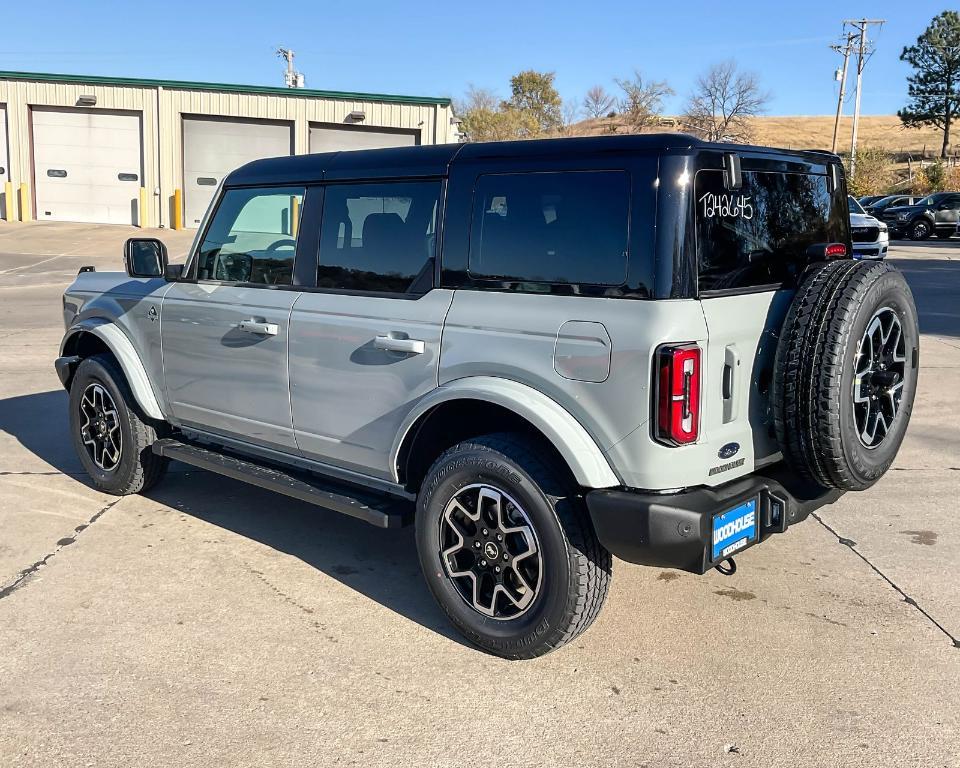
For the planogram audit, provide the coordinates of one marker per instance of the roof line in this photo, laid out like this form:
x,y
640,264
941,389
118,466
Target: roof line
x,y
231,87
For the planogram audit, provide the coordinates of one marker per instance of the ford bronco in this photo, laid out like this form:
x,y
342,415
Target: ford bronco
x,y
540,353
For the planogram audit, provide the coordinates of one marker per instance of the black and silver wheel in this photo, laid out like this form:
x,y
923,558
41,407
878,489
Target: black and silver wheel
x,y
490,552
920,230
846,373
112,438
507,547
881,369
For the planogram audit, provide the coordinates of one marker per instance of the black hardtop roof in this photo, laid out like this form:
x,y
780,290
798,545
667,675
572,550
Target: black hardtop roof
x,y
435,159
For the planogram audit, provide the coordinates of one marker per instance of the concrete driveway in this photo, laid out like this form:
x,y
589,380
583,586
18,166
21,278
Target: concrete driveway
x,y
213,624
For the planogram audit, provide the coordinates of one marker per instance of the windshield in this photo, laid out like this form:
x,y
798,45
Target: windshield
x,y
854,206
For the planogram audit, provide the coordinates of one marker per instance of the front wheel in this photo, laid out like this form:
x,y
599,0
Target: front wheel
x,y
920,230
110,435
507,547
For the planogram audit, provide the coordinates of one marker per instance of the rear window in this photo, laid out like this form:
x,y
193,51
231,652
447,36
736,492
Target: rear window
x,y
569,227
760,236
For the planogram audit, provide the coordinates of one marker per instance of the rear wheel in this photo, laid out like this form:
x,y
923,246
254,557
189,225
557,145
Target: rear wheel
x,y
111,436
507,547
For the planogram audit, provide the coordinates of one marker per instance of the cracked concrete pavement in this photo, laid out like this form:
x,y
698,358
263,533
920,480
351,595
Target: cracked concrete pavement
x,y
211,623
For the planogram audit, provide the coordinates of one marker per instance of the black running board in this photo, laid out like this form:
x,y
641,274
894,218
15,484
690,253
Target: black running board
x,y
377,509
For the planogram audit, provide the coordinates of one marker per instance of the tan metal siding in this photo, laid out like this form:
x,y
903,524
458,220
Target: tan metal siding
x,y
163,109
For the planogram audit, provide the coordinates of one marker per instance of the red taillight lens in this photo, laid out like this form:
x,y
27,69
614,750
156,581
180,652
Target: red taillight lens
x,y
835,250
678,394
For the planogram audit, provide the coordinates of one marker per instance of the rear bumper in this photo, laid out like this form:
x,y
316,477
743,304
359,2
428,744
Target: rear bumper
x,y
674,530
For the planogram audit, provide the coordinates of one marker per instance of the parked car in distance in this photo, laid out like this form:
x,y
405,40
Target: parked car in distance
x,y
877,207
540,353
868,199
936,214
869,236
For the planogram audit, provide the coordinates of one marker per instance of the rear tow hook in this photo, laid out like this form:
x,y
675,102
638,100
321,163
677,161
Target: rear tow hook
x,y
727,567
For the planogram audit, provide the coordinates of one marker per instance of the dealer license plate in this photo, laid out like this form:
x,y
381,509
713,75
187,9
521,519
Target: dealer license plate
x,y
734,529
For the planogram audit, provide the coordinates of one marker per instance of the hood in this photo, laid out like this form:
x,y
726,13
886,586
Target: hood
x,y
894,210
863,220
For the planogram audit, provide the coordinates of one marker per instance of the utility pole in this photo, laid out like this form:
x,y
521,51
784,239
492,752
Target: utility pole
x,y
861,26
845,50
291,77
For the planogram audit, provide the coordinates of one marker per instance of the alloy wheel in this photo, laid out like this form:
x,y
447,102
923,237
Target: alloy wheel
x,y
490,551
100,427
880,370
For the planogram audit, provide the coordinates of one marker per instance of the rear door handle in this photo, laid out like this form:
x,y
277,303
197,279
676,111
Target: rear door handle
x,y
263,329
410,346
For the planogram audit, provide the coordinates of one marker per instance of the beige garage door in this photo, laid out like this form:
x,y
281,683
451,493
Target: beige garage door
x,y
212,148
332,138
4,161
87,165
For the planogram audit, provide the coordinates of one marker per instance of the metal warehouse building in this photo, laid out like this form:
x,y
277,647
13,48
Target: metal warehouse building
x,y
151,152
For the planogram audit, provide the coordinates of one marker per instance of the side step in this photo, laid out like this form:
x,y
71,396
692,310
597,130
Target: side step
x,y
380,510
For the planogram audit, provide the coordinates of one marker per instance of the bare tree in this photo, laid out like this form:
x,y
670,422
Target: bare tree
x,y
570,112
722,102
598,103
642,101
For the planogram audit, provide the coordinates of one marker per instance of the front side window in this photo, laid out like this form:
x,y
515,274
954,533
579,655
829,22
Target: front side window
x,y
379,237
252,237
568,227
765,233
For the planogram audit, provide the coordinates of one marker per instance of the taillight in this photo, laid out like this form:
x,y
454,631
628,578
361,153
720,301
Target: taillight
x,y
835,251
678,394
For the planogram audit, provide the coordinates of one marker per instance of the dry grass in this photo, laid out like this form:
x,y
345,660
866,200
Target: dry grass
x,y
810,132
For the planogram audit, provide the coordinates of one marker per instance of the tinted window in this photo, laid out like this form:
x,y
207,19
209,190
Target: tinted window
x,y
252,237
379,237
761,234
551,227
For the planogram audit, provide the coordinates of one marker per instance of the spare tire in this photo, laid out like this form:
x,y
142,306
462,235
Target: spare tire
x,y
846,373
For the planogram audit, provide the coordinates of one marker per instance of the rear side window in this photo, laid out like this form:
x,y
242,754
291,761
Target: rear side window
x,y
760,236
569,227
252,237
379,237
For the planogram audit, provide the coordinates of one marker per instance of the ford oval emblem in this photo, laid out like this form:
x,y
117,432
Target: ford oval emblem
x,y
730,449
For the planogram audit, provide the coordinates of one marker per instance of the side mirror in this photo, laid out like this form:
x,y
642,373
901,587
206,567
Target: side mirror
x,y
145,257
173,272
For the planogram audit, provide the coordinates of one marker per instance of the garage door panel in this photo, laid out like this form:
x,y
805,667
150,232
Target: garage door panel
x,y
214,148
87,165
334,138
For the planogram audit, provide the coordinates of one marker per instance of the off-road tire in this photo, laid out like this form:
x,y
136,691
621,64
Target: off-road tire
x,y
815,372
139,467
575,566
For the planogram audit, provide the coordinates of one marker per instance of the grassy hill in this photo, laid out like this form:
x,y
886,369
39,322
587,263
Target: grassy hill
x,y
811,132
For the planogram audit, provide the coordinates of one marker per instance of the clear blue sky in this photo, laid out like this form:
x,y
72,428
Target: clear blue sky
x,y
436,49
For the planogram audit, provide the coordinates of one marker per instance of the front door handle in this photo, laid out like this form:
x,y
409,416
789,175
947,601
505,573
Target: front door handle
x,y
410,346
262,329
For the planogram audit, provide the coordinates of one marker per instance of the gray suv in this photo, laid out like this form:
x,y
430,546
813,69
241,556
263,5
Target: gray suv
x,y
540,353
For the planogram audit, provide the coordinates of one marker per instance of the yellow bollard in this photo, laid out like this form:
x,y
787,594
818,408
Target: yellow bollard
x,y
143,217
294,216
26,211
8,213
177,209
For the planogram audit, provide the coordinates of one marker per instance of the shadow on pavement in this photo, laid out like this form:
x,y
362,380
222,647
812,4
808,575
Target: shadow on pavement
x,y
935,283
39,422
379,564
